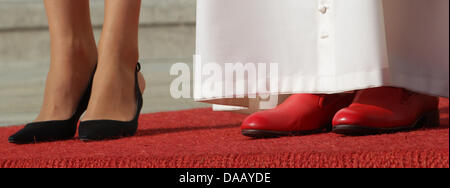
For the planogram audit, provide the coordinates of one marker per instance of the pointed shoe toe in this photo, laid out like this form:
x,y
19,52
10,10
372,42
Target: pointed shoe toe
x,y
44,132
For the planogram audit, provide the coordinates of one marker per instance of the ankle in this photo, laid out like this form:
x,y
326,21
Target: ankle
x,y
74,50
124,54
122,60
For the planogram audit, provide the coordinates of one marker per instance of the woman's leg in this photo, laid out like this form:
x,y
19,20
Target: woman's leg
x,y
73,57
113,95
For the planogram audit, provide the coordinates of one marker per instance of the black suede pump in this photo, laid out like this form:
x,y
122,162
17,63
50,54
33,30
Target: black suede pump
x,y
93,130
47,131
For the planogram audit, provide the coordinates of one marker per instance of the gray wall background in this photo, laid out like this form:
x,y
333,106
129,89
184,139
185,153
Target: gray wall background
x,y
167,36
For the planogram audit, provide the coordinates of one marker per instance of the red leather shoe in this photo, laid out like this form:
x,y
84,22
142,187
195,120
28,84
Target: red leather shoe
x,y
299,114
384,110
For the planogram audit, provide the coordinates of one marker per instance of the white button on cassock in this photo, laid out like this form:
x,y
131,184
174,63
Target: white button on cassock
x,y
324,18
323,10
325,43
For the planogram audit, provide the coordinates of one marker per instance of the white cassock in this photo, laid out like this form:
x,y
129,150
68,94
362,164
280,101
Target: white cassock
x,y
326,46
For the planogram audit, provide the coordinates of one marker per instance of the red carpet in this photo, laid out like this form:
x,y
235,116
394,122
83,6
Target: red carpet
x,y
202,138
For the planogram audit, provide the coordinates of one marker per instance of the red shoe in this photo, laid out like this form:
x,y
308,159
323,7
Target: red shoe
x,y
299,114
386,109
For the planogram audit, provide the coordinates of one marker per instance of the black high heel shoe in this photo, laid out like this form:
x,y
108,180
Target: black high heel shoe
x,y
93,130
46,131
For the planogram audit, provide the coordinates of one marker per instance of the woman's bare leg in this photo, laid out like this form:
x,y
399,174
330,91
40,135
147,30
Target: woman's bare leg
x,y
73,57
113,94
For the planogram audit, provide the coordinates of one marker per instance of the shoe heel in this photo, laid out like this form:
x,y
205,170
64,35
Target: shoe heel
x,y
432,119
